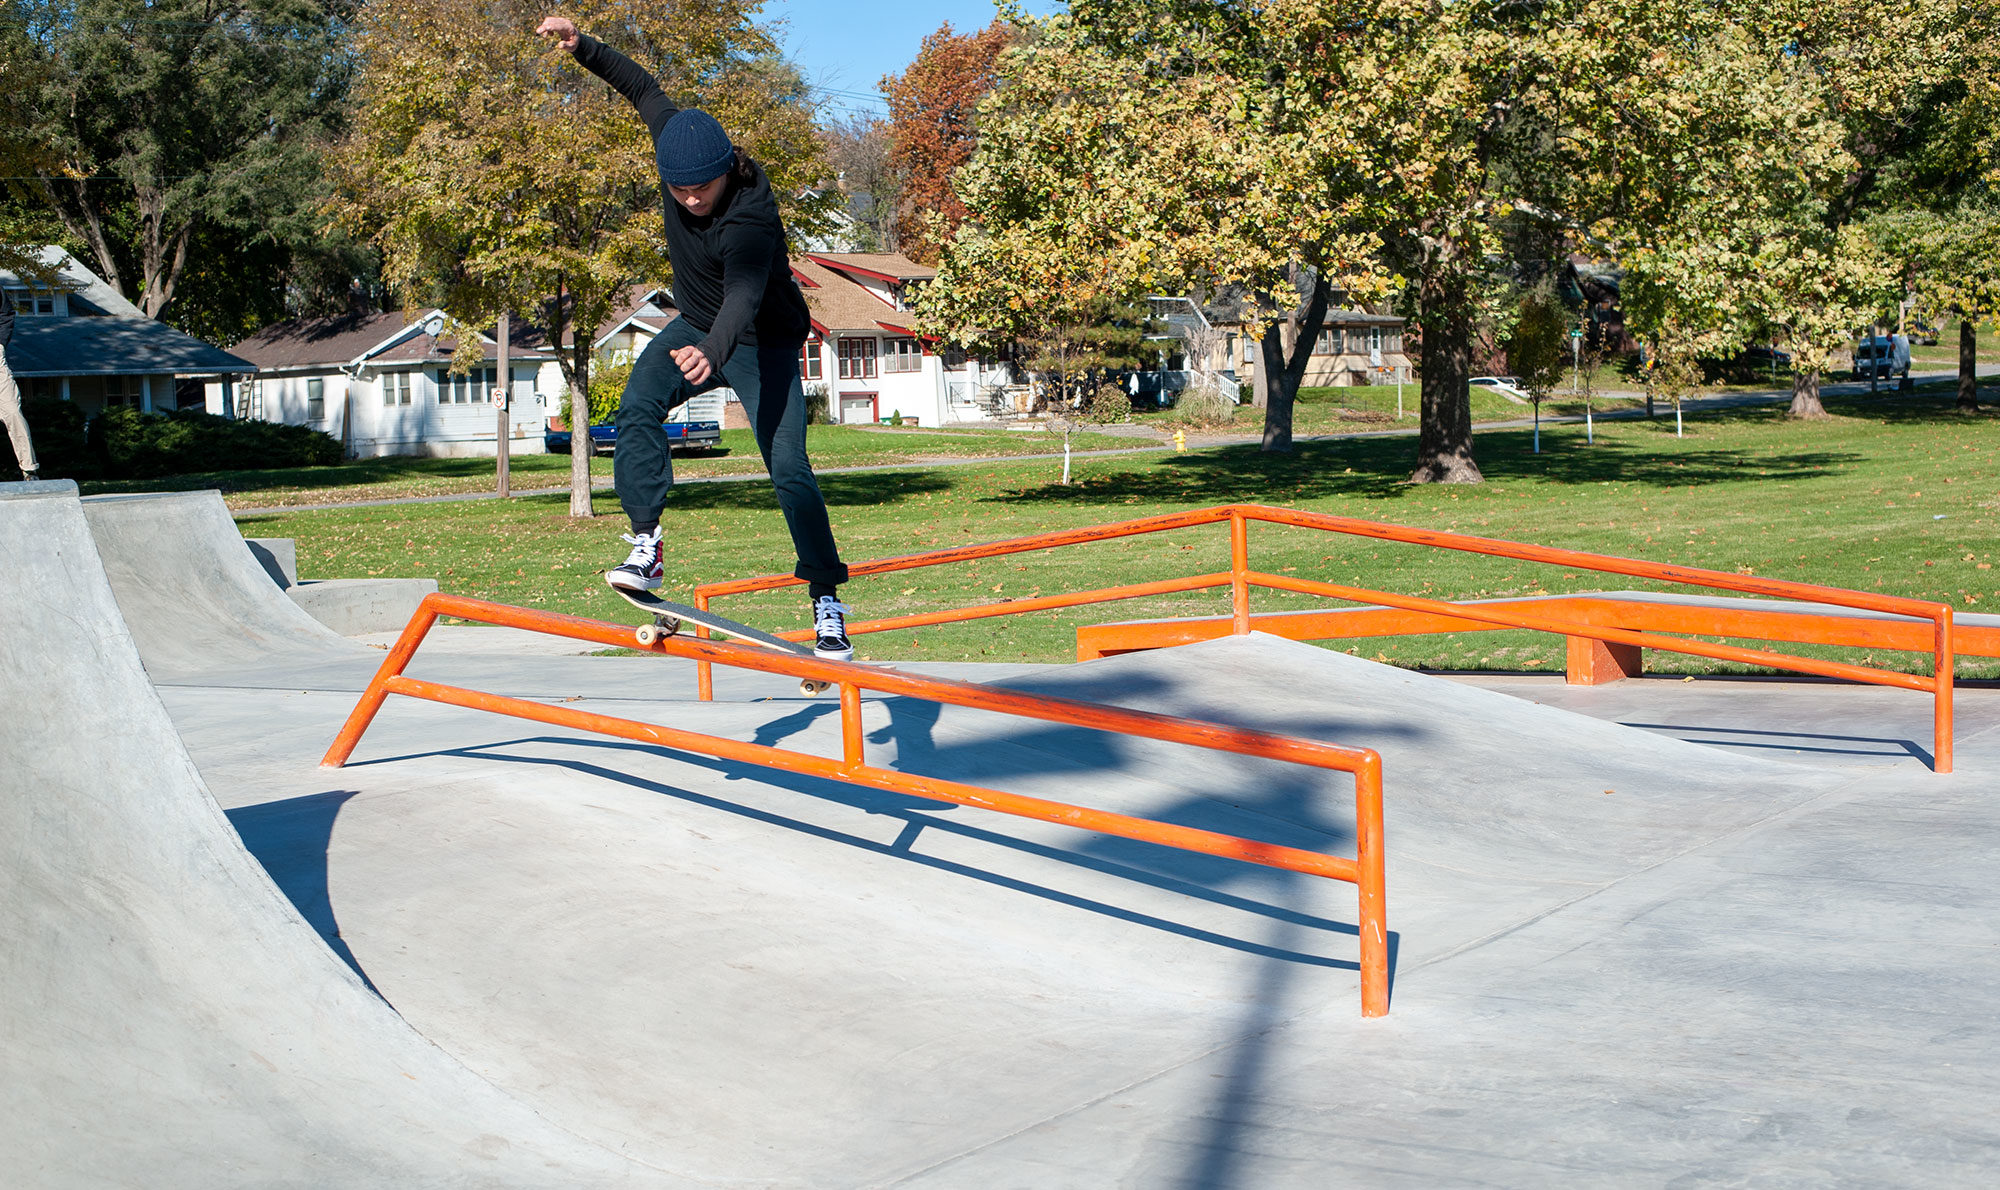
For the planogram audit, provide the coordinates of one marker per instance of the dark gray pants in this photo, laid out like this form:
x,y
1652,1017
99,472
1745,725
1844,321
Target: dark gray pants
x,y
766,380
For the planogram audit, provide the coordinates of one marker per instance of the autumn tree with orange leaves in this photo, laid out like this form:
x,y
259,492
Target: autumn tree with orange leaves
x,y
933,110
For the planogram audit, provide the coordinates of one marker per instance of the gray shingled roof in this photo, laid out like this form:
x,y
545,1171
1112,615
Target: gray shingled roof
x,y
48,346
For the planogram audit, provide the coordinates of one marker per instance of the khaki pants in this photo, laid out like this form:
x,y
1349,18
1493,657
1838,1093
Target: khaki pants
x,y
17,426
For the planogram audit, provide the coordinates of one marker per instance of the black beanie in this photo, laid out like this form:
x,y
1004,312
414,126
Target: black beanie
x,y
693,149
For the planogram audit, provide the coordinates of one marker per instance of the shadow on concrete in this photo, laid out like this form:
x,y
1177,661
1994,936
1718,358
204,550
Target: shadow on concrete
x,y
1894,748
1178,872
290,839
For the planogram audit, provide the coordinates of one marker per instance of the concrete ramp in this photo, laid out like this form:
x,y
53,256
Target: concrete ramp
x,y
194,596
170,1019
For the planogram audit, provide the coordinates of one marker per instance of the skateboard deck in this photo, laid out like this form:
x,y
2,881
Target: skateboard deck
x,y
668,617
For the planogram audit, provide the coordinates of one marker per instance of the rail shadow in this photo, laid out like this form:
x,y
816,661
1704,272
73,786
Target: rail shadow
x,y
290,838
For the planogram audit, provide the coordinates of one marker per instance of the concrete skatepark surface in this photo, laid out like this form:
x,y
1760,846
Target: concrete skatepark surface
x,y
1655,933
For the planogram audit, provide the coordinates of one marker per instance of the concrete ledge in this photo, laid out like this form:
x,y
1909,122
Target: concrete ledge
x,y
354,606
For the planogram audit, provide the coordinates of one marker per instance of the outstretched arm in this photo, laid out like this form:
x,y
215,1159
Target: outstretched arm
x,y
627,77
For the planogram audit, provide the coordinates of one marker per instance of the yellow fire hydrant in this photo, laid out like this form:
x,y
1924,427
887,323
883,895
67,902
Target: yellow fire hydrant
x,y
1180,439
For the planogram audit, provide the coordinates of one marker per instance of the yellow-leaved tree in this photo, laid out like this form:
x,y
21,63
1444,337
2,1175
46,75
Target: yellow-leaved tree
x,y
494,173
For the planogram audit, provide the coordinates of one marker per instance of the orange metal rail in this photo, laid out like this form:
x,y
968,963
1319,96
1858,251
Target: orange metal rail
x,y
1620,642
1366,871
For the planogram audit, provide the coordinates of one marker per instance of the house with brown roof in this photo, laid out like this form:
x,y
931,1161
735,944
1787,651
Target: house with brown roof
x,y
864,353
382,384
863,356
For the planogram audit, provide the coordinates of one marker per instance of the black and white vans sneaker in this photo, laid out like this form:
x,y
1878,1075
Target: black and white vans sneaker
x,y
642,570
830,629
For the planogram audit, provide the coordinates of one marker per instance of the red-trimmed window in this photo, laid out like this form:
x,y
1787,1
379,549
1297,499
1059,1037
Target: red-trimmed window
x,y
902,355
811,362
857,359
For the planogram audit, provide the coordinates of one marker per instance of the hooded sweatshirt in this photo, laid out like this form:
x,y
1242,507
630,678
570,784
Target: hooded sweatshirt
x,y
732,270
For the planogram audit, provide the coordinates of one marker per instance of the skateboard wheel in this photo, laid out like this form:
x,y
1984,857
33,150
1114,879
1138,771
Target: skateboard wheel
x,y
648,635
810,687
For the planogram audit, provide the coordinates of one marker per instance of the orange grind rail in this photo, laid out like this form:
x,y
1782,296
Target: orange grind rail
x,y
1604,637
1366,870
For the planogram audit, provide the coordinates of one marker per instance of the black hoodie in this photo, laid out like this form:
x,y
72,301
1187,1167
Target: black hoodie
x,y
732,270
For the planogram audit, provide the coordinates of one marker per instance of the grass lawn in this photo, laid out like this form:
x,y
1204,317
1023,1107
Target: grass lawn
x,y
1360,408
1944,353
1897,496
396,478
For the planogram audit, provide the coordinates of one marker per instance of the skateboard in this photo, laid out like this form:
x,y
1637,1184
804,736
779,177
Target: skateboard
x,y
668,617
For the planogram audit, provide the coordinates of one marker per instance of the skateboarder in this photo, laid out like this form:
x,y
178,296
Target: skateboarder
x,y
10,396
742,323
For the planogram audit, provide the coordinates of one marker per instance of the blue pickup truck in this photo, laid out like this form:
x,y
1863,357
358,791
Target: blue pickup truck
x,y
696,425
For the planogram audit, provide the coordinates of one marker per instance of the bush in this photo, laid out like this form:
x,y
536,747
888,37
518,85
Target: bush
x,y
607,388
57,427
1108,406
1203,407
817,405
128,444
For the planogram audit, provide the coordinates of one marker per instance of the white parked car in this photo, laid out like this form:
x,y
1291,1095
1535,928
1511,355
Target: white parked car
x,y
1506,386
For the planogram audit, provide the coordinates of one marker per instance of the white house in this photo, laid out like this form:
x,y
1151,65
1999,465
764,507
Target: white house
x,y
866,356
862,355
78,339
382,384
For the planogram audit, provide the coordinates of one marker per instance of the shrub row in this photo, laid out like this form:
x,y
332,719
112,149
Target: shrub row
x,y
122,443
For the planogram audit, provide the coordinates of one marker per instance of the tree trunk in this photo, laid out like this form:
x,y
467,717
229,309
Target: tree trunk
x,y
1444,434
1285,372
577,373
1968,365
1805,395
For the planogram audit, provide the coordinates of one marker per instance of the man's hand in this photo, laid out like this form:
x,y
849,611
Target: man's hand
x,y
693,364
560,30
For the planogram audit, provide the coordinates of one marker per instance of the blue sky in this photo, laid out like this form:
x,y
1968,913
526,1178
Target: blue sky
x,y
844,47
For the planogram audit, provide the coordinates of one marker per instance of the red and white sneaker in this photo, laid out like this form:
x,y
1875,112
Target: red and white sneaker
x,y
642,569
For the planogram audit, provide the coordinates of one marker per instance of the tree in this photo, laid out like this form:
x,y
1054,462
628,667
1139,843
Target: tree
x,y
1140,149
1538,347
1787,134
179,127
857,150
494,173
1105,337
933,127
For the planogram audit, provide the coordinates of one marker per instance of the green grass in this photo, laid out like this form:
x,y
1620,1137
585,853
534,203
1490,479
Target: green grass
x,y
1895,496
401,477
1944,353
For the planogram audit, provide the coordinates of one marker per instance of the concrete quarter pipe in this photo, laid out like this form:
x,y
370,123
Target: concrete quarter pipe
x,y
170,1020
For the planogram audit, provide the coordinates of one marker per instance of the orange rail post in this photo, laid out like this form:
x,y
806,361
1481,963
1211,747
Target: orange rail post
x,y
1366,871
1239,570
378,687
1374,909
704,673
1942,678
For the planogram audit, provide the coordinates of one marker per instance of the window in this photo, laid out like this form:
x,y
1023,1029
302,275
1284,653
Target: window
x,y
315,399
29,301
124,390
902,355
472,388
1329,343
857,359
396,387
812,365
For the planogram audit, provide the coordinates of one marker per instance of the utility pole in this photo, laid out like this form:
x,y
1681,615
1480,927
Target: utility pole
x,y
503,393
